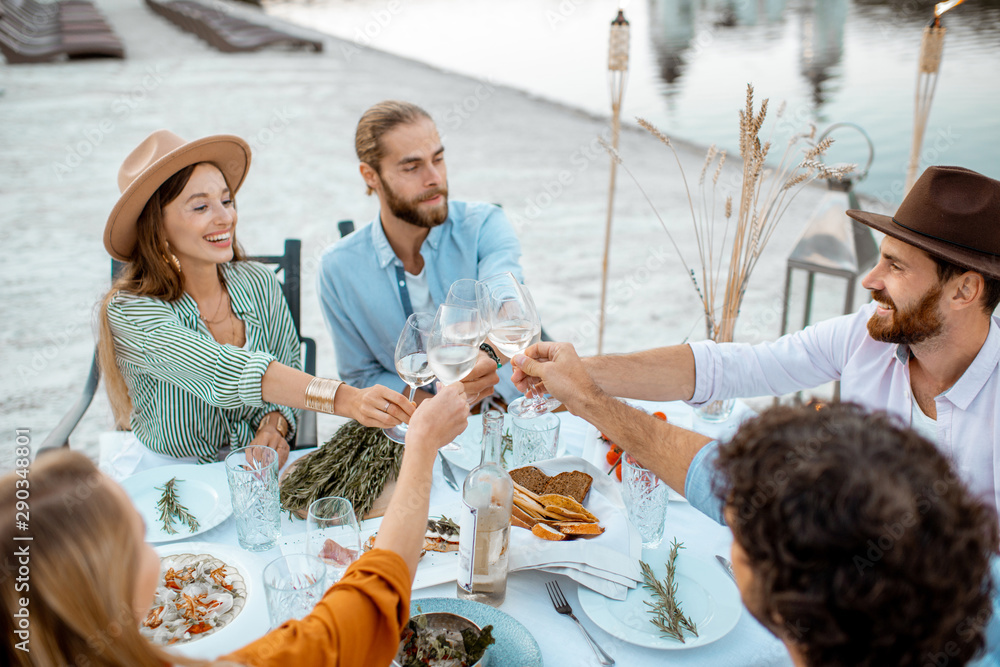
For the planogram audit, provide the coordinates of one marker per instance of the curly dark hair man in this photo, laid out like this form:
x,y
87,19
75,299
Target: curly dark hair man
x,y
854,540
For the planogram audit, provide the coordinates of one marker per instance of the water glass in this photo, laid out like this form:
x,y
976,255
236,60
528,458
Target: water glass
x,y
253,485
645,497
535,438
293,585
333,535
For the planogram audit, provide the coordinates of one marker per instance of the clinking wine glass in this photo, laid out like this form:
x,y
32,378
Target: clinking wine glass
x,y
465,293
411,362
514,327
453,348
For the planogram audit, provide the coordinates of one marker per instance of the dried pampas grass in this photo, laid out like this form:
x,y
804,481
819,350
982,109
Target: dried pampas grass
x,y
764,196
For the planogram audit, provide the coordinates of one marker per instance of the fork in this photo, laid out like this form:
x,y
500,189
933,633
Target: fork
x,y
562,606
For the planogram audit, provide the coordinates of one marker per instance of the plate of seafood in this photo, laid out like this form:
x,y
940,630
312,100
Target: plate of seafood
x,y
208,601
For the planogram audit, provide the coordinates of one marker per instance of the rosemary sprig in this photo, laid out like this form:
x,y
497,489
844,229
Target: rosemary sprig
x,y
668,616
443,526
171,510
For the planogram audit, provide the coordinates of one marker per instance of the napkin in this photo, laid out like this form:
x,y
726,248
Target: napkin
x,y
608,563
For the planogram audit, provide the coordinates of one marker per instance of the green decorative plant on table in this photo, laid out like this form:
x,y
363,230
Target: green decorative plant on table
x,y
739,230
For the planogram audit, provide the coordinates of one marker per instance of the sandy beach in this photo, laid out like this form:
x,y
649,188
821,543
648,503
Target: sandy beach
x,y
66,127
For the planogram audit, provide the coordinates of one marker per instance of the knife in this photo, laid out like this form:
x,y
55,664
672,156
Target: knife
x,y
449,475
727,566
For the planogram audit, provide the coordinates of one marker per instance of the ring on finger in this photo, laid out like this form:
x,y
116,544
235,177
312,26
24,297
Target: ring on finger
x,y
386,408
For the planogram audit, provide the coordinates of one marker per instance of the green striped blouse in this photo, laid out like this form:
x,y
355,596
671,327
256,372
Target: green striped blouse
x,y
190,394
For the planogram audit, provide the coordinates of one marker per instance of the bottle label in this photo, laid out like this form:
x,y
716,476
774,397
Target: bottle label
x,y
466,545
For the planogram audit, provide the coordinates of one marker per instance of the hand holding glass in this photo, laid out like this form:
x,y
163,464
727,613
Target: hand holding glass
x,y
411,362
514,327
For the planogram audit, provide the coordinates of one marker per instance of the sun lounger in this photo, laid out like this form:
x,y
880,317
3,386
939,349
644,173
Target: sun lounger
x,y
225,31
32,32
55,47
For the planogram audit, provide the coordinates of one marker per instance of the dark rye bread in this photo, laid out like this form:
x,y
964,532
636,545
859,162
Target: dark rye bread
x,y
531,478
575,485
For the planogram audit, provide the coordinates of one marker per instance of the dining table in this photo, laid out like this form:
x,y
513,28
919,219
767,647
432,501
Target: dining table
x,y
559,640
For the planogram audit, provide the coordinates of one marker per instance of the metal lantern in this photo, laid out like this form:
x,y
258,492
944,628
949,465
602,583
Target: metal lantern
x,y
618,72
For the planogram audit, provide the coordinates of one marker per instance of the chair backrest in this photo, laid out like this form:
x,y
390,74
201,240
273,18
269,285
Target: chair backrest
x,y
289,265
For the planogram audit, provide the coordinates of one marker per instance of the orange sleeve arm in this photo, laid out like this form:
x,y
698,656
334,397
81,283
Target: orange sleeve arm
x,y
357,623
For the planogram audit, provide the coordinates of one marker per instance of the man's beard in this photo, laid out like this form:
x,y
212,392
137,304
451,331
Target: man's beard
x,y
407,211
906,327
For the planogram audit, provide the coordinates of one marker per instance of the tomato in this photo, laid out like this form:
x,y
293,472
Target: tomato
x,y
613,455
618,471
660,416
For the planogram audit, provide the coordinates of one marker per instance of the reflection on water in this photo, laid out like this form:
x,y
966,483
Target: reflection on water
x,y
830,60
852,61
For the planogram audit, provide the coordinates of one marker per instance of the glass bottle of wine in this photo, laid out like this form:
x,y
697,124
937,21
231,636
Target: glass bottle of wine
x,y
487,499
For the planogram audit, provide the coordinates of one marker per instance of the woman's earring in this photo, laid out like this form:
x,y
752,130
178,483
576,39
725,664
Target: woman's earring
x,y
173,259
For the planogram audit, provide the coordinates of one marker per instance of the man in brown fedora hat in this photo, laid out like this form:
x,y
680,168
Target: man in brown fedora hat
x,y
926,349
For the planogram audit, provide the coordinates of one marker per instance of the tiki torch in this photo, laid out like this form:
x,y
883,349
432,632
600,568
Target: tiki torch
x,y
931,48
618,73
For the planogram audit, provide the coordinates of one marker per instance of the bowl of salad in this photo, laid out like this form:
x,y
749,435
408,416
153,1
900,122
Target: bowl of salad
x,y
441,639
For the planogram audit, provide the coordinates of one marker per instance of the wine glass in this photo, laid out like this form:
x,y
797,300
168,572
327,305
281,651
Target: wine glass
x,y
411,362
453,347
465,293
514,327
333,535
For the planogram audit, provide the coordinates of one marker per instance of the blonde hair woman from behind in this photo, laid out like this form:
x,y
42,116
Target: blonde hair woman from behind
x,y
197,347
92,577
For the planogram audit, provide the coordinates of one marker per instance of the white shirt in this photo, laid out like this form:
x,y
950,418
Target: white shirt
x,y
923,424
420,293
873,374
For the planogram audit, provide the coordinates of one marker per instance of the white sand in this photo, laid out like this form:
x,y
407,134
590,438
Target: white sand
x,y
65,128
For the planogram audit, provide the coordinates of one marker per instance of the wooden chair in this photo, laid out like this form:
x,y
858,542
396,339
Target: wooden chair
x,y
288,268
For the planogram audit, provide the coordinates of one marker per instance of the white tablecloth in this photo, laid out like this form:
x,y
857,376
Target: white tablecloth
x,y
560,640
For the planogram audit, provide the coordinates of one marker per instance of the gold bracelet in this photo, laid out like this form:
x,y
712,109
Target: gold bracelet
x,y
320,394
280,424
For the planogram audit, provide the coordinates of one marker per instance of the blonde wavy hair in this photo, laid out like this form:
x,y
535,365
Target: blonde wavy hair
x,y
152,272
81,571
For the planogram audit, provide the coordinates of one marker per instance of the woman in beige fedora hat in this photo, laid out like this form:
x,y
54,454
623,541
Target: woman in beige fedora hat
x,y
196,345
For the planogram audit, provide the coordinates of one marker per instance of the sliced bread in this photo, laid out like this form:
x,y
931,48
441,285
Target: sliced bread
x,y
574,484
530,478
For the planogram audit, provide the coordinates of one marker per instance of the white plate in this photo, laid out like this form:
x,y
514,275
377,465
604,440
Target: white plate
x,y
706,594
203,489
250,624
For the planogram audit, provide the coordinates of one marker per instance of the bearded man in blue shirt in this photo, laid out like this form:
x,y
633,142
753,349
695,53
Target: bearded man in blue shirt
x,y
407,258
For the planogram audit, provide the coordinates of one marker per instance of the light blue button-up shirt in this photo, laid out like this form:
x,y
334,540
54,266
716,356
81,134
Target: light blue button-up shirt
x,y
362,287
